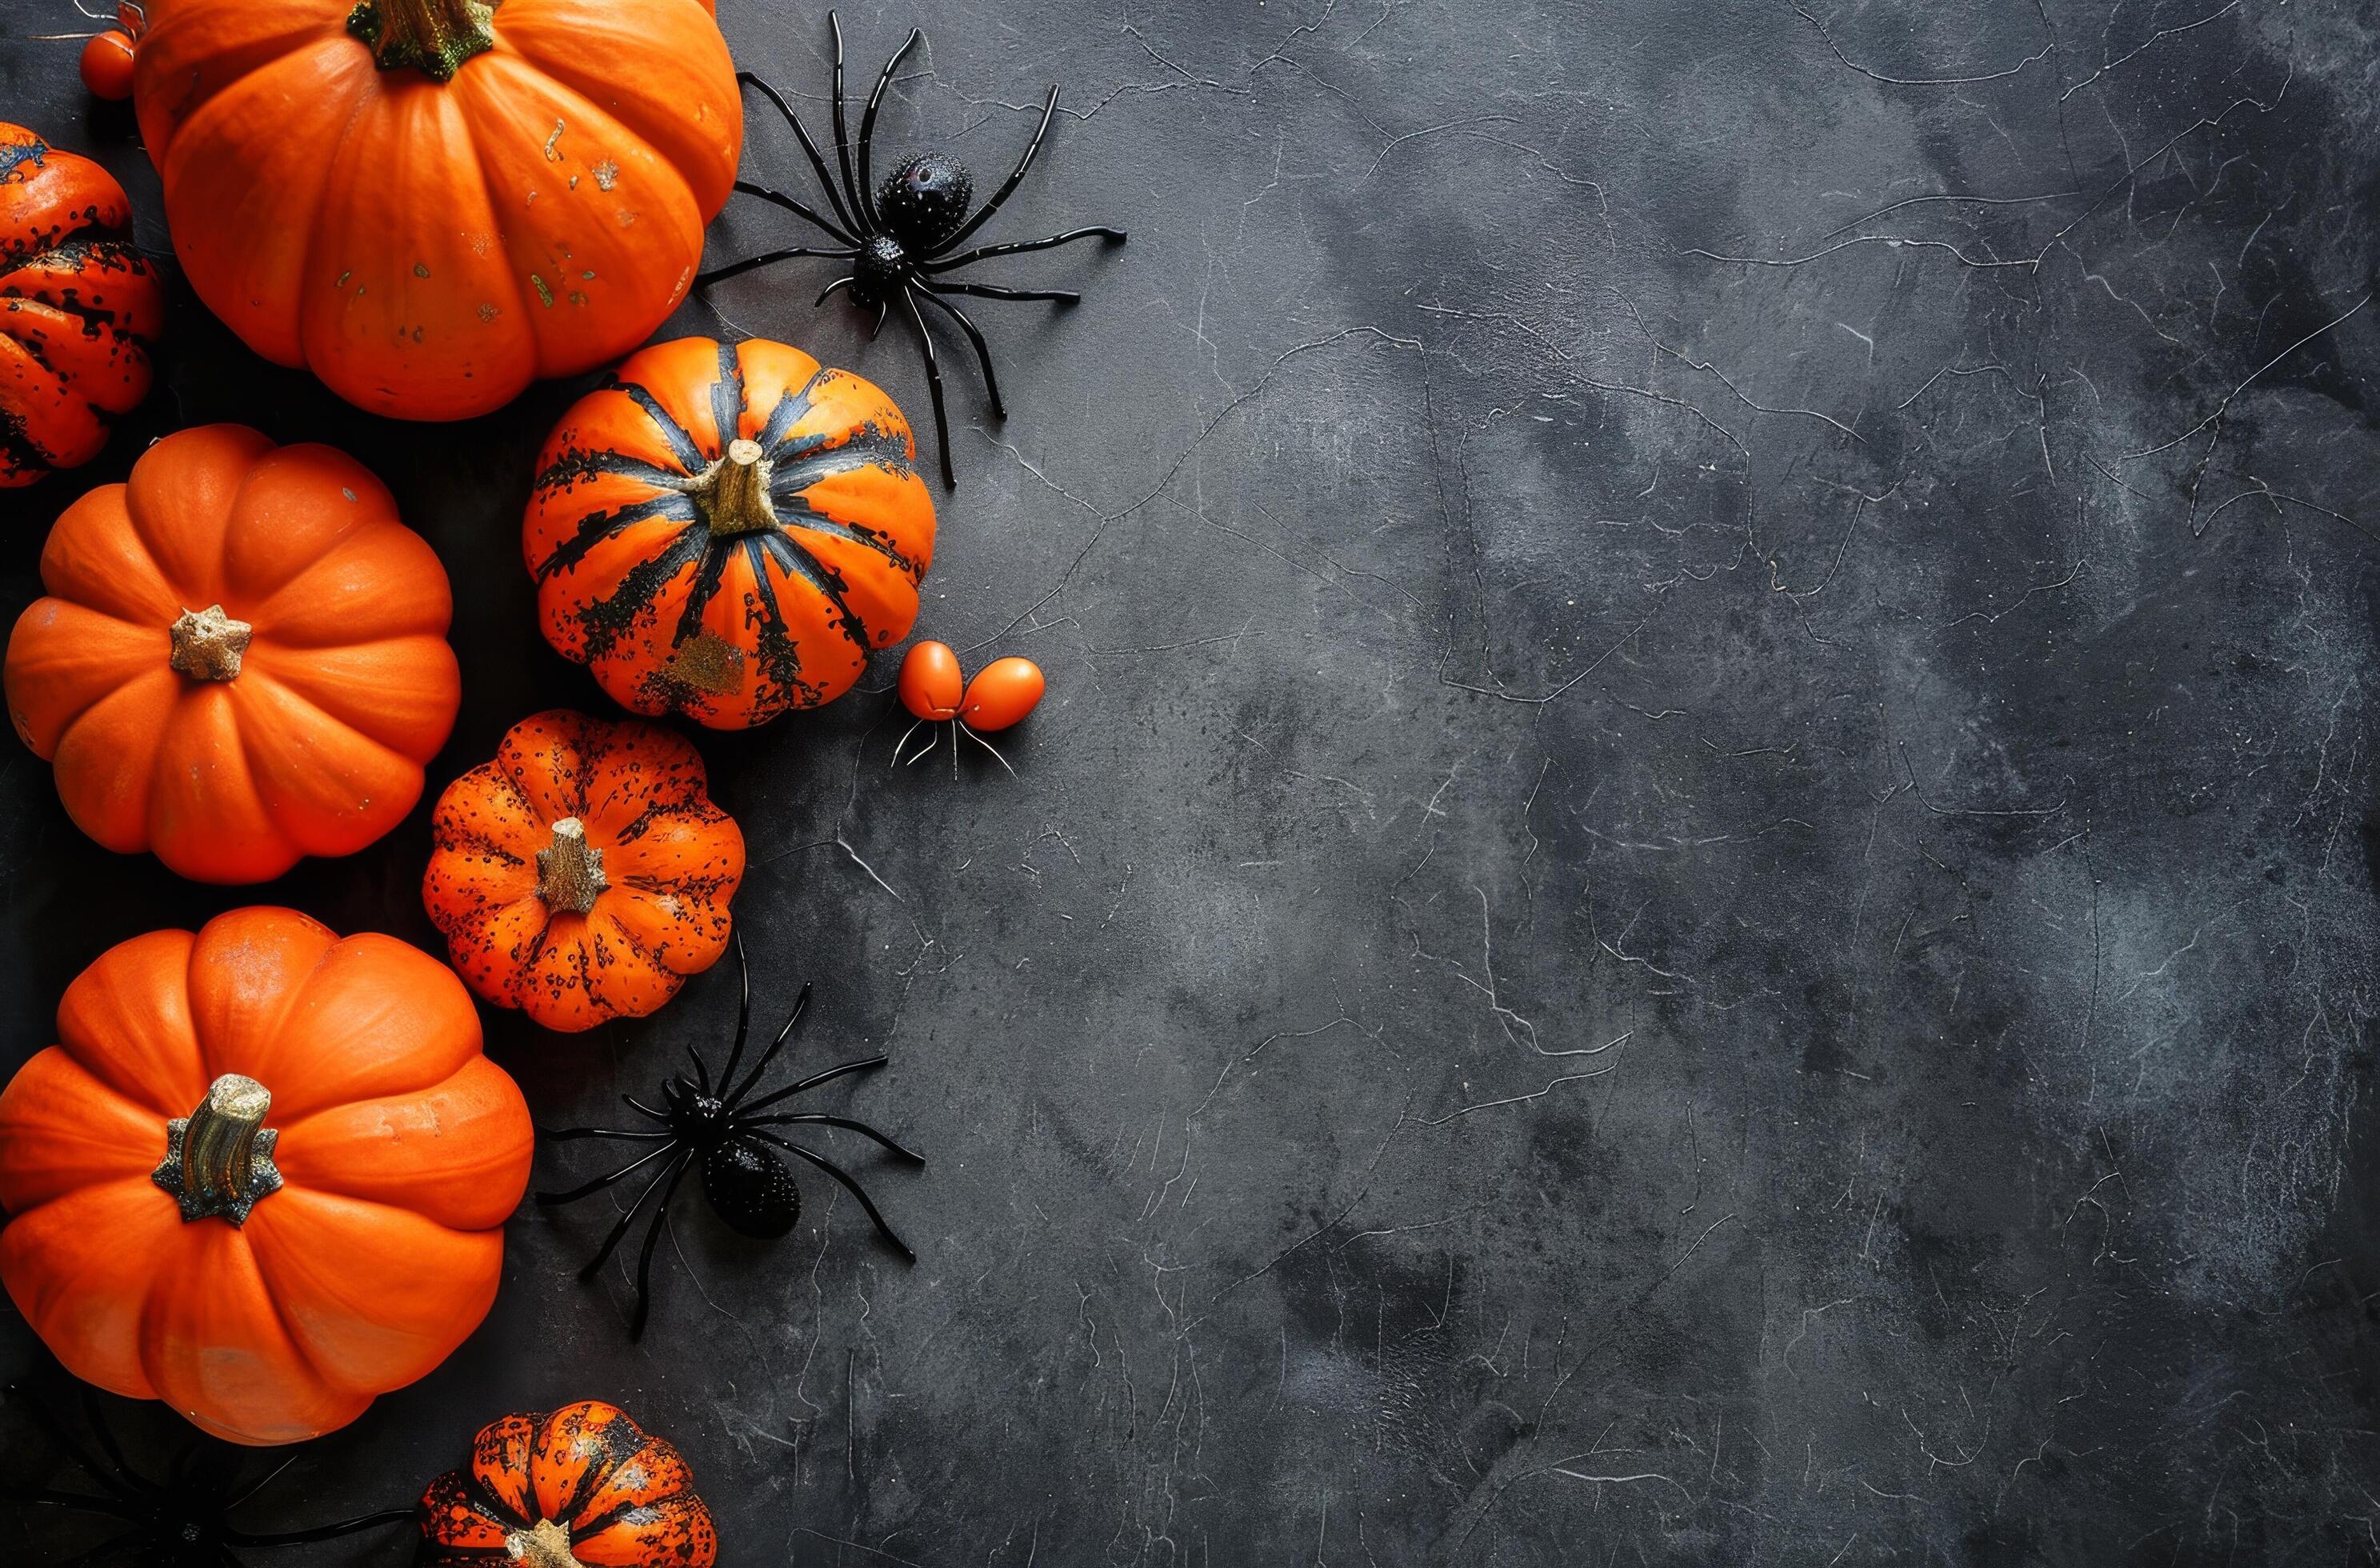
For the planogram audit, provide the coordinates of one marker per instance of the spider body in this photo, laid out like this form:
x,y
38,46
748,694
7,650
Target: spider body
x,y
178,1519
739,1143
899,236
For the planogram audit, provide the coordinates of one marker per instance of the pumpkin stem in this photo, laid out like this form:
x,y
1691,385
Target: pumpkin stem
x,y
570,870
208,643
547,1545
219,1158
434,37
733,493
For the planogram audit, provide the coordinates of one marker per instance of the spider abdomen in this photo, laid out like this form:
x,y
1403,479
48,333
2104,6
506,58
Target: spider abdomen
x,y
924,200
749,1187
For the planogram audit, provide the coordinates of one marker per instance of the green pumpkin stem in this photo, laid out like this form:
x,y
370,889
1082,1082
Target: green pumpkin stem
x,y
733,493
433,37
219,1158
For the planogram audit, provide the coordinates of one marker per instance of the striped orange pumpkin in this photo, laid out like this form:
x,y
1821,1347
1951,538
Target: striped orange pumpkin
x,y
726,532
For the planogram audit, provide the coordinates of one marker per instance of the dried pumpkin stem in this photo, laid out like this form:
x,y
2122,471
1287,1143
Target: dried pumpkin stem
x,y
219,1158
208,644
433,37
546,1545
733,492
570,870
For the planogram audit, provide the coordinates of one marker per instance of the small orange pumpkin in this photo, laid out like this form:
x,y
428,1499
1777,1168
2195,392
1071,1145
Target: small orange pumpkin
x,y
584,1486
583,874
727,532
78,307
242,657
430,202
263,1176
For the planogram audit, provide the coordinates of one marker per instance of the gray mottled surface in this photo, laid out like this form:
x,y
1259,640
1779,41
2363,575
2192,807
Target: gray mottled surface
x,y
1697,883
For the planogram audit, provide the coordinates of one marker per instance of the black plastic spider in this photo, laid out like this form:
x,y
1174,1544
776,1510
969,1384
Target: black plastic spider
x,y
899,235
180,1521
749,1187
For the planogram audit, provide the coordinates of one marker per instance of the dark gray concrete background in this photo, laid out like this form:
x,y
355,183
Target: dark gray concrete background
x,y
1697,883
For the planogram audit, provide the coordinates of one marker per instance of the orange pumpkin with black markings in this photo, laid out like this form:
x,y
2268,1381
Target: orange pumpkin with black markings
x,y
78,307
727,532
583,874
241,658
262,1176
581,1487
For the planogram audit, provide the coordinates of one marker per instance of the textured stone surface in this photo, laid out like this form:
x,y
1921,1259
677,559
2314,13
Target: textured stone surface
x,y
1698,882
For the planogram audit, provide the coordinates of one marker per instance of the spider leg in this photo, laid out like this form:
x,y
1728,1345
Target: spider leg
x,y
995,291
988,207
826,180
552,1200
845,1122
799,209
934,384
321,1532
612,1238
766,259
743,1017
572,1135
840,1175
867,124
903,741
925,750
988,747
1018,248
801,1005
633,1103
866,1064
74,1502
104,1549
107,1446
842,135
645,1256
258,1484
982,349
44,1418
843,281
877,330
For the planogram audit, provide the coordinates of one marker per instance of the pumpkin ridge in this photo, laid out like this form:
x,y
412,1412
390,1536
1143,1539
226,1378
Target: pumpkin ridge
x,y
797,560
789,412
778,654
598,1474
728,421
577,462
707,577
608,619
690,456
599,527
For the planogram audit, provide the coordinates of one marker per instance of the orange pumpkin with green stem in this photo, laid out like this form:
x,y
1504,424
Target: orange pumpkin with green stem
x,y
583,874
262,1176
728,531
431,202
241,658
78,307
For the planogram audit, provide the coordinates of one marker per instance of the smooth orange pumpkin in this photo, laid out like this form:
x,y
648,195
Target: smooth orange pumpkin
x,y
241,658
78,307
582,1487
263,1174
431,202
584,873
728,531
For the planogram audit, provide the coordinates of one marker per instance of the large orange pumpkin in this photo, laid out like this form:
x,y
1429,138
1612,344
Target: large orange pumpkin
x,y
580,1488
263,1174
78,306
241,660
584,873
726,532
431,202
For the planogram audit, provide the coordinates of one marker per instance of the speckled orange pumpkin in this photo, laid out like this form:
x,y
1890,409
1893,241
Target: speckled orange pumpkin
x,y
584,873
78,306
727,530
582,1487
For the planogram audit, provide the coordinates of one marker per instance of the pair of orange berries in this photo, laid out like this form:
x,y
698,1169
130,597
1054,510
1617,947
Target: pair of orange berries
x,y
1001,693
